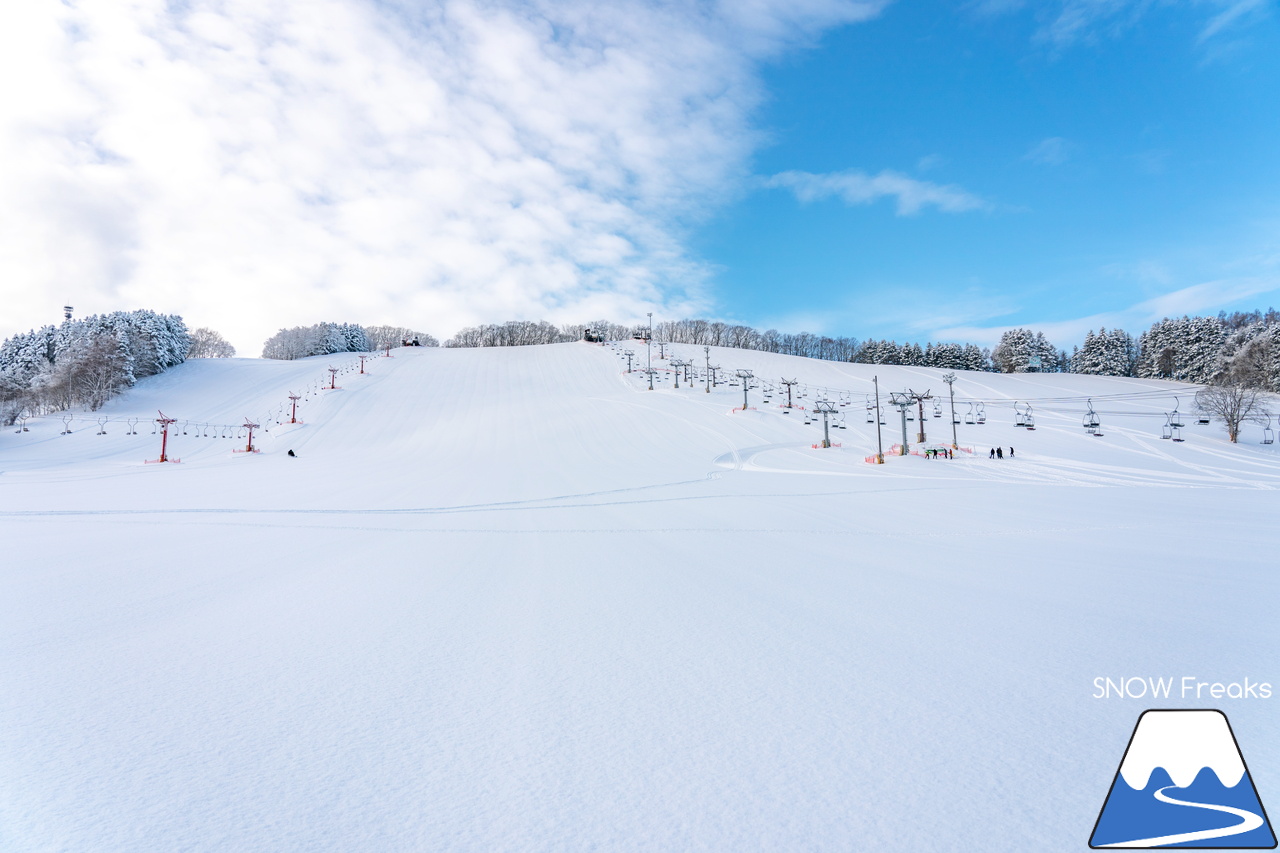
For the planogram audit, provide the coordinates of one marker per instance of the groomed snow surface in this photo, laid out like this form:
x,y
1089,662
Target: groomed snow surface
x,y
510,599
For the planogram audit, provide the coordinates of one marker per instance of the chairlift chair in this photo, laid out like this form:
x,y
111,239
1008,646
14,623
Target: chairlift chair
x,y
1175,419
1166,431
1029,418
1019,418
969,415
1177,434
1090,420
982,413
937,408
1268,434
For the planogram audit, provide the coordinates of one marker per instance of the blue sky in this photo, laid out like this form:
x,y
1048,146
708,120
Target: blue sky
x,y
1116,164
906,170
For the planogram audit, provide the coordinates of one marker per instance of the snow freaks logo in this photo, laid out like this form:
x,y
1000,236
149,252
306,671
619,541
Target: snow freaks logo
x,y
1183,783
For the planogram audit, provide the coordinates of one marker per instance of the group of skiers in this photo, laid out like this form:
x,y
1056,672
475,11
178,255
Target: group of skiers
x,y
998,453
937,453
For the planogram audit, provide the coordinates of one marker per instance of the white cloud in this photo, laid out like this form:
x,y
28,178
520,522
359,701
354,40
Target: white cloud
x,y
854,187
258,163
1053,151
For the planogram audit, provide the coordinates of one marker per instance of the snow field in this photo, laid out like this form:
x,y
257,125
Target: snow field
x,y
509,599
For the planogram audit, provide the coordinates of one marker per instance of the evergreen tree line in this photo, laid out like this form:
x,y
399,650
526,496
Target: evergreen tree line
x,y
330,338
1243,347
86,362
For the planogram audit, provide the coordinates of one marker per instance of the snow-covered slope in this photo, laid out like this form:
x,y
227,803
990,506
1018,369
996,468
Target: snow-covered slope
x,y
511,599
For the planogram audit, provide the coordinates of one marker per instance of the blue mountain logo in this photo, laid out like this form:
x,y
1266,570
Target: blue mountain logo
x,y
1183,783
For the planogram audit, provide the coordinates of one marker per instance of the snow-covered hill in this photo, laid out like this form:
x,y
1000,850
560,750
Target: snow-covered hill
x,y
509,599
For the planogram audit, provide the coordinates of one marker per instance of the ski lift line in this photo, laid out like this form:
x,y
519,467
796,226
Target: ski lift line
x,y
131,421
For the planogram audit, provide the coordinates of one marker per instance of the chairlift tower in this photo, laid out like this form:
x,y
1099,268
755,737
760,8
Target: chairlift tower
x,y
879,423
630,355
250,426
706,351
362,358
950,379
826,408
919,401
66,312
745,375
679,365
164,424
903,401
662,350
650,371
293,412
333,379
648,345
789,383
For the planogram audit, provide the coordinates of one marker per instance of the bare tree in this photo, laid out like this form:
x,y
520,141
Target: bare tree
x,y
206,343
1234,404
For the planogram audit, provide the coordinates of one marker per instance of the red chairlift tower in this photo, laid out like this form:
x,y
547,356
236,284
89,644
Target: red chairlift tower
x,y
293,413
333,379
362,358
251,426
164,439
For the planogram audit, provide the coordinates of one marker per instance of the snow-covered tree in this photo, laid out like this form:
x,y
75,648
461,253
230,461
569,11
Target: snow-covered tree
x,y
320,339
85,362
1018,347
1187,349
1107,353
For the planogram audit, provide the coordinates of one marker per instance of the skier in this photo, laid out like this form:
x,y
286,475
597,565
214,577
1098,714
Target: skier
x,y
1010,452
999,452
992,454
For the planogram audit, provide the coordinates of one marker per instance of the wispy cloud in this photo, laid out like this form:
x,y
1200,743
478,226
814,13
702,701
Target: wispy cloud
x,y
992,8
1063,23
1053,151
1235,13
1205,297
929,162
1083,19
253,163
853,187
1144,272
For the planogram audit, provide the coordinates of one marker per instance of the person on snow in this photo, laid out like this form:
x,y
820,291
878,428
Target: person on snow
x,y
999,452
992,454
291,453
1010,452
